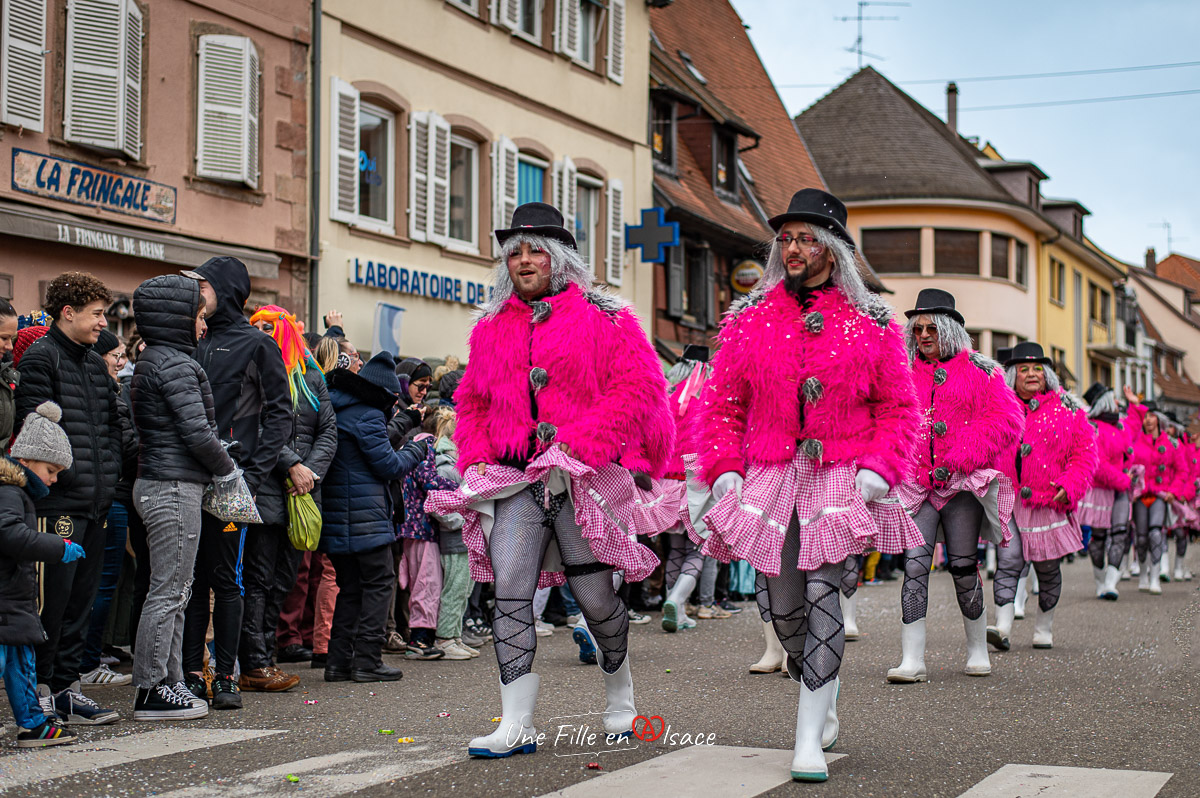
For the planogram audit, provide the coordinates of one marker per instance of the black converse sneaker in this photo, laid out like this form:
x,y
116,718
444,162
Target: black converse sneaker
x,y
161,702
181,689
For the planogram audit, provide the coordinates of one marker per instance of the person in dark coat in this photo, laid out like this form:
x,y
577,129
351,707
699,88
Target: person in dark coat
x,y
358,529
61,367
43,451
8,372
250,395
303,462
179,455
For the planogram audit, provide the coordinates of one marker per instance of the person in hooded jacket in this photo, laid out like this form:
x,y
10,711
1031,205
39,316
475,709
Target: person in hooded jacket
x,y
358,529
303,462
250,396
179,454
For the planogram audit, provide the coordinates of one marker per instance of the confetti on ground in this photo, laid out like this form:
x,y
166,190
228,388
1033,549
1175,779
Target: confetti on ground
x,y
310,700
594,766
372,694
406,740
668,670
387,731
497,720
443,714
291,778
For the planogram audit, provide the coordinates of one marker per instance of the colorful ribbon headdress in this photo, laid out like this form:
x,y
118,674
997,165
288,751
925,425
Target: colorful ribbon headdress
x,y
296,357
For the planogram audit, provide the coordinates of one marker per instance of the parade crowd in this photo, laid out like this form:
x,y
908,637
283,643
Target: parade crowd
x,y
424,509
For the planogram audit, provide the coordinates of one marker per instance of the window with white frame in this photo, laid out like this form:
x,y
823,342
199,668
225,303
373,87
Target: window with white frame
x,y
520,16
227,118
103,86
587,216
470,6
464,192
362,173
531,179
376,164
589,30
22,63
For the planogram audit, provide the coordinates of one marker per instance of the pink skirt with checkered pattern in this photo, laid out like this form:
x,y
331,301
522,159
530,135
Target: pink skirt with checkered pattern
x,y
1096,508
603,502
992,488
1184,515
660,509
1046,533
834,520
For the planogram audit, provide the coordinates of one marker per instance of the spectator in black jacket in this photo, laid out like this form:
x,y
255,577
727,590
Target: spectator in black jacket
x,y
250,395
61,367
179,454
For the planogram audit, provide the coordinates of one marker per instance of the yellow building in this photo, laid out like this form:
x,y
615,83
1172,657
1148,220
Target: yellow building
x,y
438,118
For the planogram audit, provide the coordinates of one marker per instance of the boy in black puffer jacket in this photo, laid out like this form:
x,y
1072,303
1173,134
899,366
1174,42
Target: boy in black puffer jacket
x,y
42,450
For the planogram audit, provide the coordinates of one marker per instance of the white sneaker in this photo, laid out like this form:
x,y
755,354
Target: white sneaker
x,y
637,618
474,652
542,628
104,676
573,620
450,650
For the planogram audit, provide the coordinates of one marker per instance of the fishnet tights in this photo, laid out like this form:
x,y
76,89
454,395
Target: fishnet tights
x,y
683,558
960,520
851,571
807,614
1010,562
516,547
1112,543
1148,536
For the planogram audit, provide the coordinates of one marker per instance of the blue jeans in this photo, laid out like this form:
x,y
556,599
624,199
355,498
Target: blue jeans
x,y
570,605
20,680
114,556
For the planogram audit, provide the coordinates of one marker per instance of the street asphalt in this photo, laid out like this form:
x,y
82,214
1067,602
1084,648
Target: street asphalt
x,y
1119,690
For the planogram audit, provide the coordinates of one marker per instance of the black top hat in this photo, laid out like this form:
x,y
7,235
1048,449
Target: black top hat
x,y
1003,354
1094,393
695,352
816,207
935,300
539,219
1027,352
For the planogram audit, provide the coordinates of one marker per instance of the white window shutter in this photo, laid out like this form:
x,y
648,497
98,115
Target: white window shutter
x,y
504,185
131,123
616,232
439,180
509,13
565,194
418,175
221,122
253,108
22,66
616,40
343,135
94,83
567,22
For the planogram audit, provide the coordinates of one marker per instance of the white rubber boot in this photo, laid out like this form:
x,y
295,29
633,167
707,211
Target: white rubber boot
x,y
1164,568
1135,567
1043,629
912,660
998,635
1021,597
829,734
772,659
618,691
808,760
1098,575
515,734
1154,575
1144,576
978,662
989,561
1126,562
1176,567
674,618
1112,575
850,615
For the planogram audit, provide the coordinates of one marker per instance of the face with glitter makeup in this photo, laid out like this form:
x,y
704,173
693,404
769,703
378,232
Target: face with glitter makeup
x,y
529,270
807,260
1031,380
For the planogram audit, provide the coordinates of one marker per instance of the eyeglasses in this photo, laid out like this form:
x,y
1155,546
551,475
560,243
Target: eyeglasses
x,y
116,358
921,329
784,241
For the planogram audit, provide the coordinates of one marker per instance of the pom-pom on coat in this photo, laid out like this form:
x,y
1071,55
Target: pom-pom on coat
x,y
1057,450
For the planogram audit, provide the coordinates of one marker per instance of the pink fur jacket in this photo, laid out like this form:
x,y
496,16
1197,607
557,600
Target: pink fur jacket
x,y
1167,470
586,364
1057,450
1114,452
971,416
831,380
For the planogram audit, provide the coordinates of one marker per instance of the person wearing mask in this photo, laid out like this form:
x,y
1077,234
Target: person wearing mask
x,y
250,397
303,462
359,530
8,372
62,367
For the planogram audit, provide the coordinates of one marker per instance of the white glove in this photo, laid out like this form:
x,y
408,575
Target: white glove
x,y
730,480
870,485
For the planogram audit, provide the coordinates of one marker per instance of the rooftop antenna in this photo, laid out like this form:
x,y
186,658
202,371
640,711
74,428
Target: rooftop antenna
x,y
858,43
1170,239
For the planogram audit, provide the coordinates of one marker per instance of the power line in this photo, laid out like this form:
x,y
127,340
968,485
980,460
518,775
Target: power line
x,y
1082,101
1026,76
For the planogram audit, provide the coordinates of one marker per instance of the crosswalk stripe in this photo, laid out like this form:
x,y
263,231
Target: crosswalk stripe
x,y
28,767
1015,781
412,760
724,770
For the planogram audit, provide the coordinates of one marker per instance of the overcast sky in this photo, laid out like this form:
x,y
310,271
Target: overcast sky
x,y
1134,163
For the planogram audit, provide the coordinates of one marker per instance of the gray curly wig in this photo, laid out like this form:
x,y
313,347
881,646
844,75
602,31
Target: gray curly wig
x,y
1107,403
566,267
952,336
1052,383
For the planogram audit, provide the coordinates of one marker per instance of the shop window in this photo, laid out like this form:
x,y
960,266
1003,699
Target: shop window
x,y
227,122
531,179
956,251
22,64
1000,265
464,192
662,133
1058,281
893,251
725,162
587,216
1020,263
103,81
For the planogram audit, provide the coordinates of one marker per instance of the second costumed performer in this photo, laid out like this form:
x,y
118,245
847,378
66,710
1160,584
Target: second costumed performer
x,y
802,455
562,399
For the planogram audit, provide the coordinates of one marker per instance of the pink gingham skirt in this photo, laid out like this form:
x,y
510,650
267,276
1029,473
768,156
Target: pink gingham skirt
x,y
660,509
1184,515
603,503
992,488
1096,508
1046,533
834,520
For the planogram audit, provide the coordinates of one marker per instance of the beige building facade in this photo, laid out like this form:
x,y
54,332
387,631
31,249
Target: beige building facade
x,y
439,121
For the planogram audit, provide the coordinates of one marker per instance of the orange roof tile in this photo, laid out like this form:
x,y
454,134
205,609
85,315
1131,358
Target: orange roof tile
x,y
1180,269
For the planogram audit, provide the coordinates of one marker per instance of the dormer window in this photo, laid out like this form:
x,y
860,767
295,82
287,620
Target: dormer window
x,y
687,62
725,161
662,133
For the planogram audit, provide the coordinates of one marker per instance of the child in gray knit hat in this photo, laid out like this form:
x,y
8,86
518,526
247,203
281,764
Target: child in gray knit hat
x,y
38,454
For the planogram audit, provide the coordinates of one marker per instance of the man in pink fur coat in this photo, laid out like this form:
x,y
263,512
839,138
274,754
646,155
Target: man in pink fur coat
x,y
802,454
1052,470
971,418
562,399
